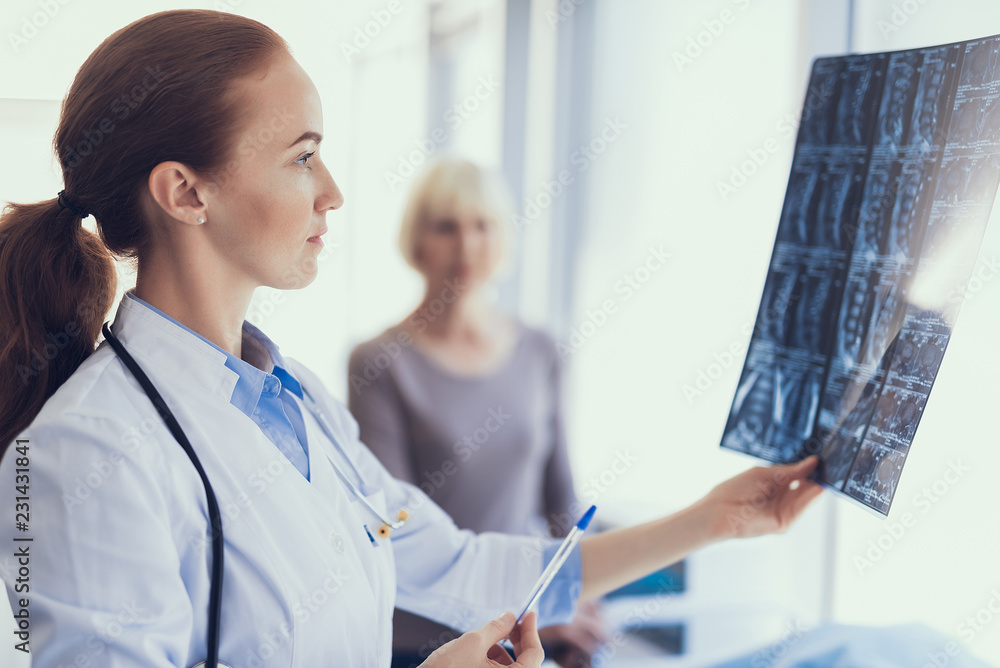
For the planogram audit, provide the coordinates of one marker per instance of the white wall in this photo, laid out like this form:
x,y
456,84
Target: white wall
x,y
687,119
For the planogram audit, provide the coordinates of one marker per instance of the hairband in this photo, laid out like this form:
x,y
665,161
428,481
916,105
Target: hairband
x,y
66,203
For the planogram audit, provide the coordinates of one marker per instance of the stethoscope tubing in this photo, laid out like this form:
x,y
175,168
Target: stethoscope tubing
x,y
215,516
311,406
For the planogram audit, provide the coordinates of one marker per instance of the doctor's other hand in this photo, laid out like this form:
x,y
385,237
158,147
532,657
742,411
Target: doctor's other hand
x,y
762,500
479,648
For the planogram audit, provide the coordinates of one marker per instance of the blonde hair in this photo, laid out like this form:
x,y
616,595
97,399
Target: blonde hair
x,y
448,184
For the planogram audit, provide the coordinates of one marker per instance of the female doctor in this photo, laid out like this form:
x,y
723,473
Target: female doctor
x,y
193,139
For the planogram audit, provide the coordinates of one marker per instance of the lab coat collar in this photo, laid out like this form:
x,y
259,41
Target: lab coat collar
x,y
168,344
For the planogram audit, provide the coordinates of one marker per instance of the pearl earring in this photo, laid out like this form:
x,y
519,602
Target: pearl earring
x,y
201,219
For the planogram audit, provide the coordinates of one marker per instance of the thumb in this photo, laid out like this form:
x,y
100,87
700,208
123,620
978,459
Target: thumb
x,y
805,467
498,629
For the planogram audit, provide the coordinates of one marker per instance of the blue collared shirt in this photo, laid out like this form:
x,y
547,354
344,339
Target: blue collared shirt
x,y
266,398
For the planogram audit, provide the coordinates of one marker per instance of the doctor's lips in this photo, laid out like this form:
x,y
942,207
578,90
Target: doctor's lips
x,y
316,239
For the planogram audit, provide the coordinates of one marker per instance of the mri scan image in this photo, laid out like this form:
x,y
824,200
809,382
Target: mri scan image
x,y
892,182
898,100
930,104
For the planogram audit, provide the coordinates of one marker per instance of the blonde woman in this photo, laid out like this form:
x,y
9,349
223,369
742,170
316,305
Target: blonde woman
x,y
470,409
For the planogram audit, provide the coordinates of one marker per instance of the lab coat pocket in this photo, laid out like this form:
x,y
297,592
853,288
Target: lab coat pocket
x,y
371,510
379,562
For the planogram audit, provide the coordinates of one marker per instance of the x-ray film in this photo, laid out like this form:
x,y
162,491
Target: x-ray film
x,y
896,167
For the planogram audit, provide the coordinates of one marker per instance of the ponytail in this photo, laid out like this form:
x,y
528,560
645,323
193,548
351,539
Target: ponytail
x,y
161,88
57,283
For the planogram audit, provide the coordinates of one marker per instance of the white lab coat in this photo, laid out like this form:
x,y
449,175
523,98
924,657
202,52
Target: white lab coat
x,y
120,562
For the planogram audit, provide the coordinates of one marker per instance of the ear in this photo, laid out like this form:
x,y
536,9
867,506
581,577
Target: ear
x,y
179,192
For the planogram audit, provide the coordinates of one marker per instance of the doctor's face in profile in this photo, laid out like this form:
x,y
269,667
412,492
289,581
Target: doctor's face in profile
x,y
460,244
268,206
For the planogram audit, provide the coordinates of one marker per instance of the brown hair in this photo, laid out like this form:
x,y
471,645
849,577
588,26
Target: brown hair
x,y
161,88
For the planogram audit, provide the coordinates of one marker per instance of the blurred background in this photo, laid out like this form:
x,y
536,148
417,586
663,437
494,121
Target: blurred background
x,y
614,124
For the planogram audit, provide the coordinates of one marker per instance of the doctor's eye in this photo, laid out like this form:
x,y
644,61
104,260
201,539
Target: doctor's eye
x,y
306,159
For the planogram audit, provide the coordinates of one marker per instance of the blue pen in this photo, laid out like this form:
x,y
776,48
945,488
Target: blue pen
x,y
370,536
562,554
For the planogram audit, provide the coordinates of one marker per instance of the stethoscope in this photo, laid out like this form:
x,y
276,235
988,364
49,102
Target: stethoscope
x,y
214,515
386,528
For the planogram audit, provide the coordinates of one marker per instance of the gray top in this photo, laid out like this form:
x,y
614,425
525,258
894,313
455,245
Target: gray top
x,y
490,449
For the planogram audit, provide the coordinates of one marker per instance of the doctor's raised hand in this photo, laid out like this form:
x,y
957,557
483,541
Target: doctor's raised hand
x,y
759,501
763,500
